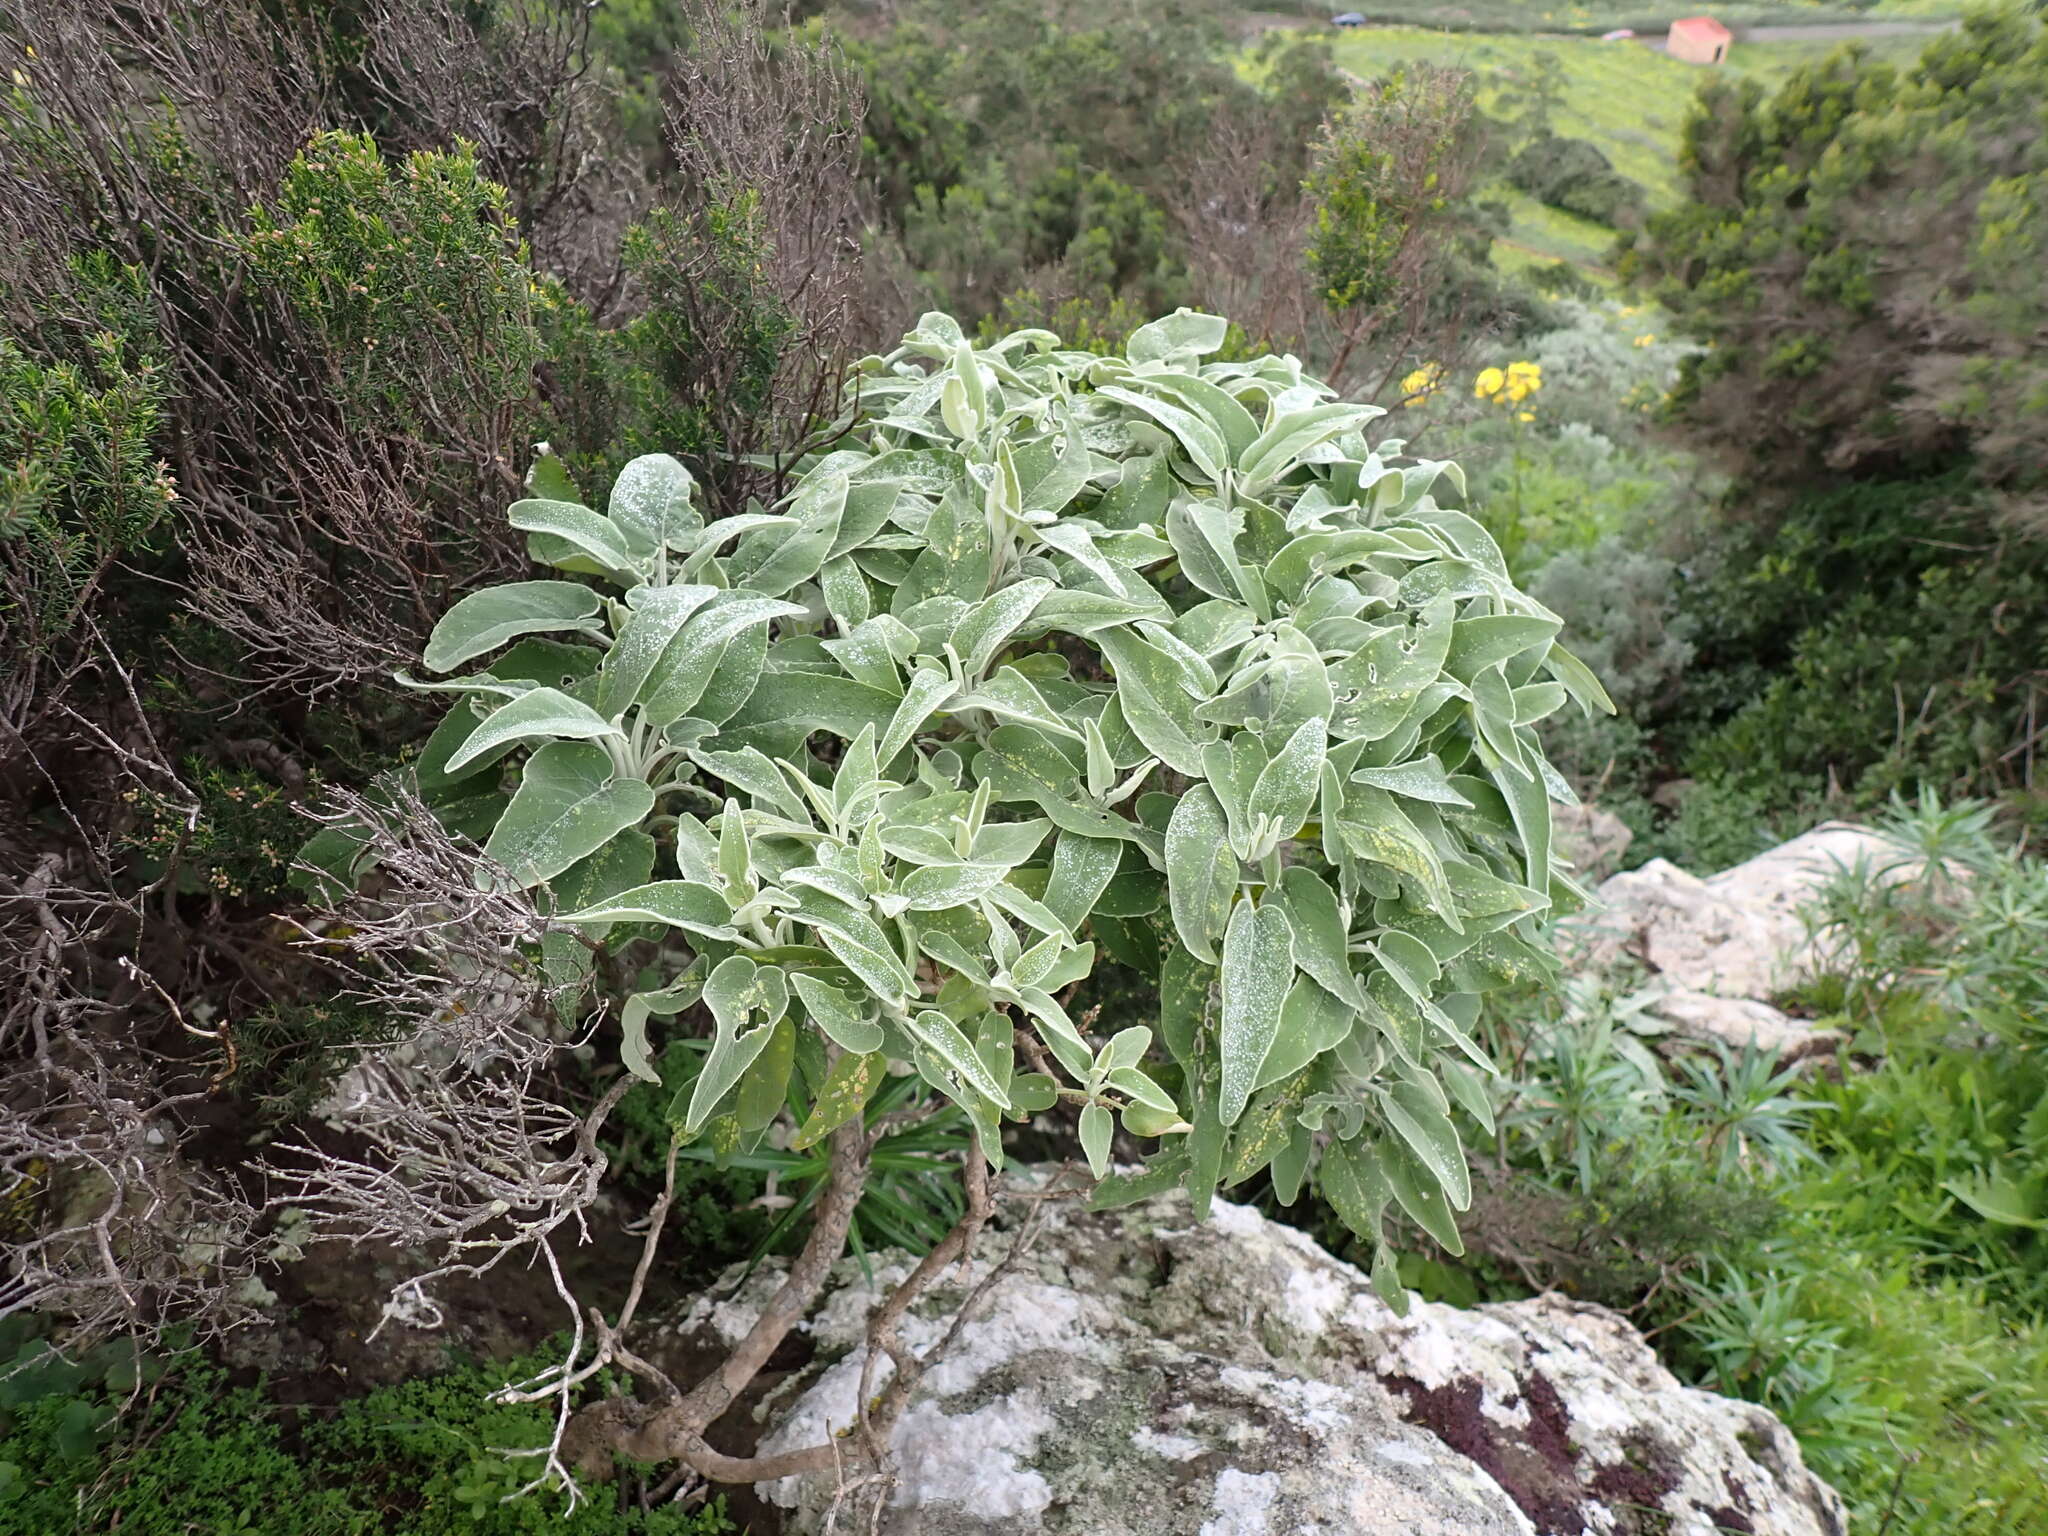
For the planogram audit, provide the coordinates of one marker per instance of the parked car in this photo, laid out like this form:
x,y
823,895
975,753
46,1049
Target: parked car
x,y
1348,19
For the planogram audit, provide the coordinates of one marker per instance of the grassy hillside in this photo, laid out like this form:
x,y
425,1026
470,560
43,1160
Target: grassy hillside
x,y
1628,98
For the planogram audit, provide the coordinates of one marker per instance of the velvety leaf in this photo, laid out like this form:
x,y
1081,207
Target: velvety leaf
x,y
685,669
485,620
1201,872
942,1037
837,1015
646,634
680,904
651,504
590,533
1258,967
567,805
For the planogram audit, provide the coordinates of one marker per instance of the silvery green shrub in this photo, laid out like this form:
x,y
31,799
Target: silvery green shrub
x,y
1052,654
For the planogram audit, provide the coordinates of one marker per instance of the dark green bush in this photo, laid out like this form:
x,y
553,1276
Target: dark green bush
x,y
1576,176
195,1455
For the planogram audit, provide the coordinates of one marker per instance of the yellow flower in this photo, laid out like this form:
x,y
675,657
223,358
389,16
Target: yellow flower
x,y
1525,415
1646,341
1421,384
1489,383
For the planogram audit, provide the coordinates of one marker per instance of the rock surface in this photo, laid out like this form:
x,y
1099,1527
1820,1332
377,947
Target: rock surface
x,y
1720,949
1140,1373
1591,840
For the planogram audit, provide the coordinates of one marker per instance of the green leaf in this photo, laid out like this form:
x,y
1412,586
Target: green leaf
x,y
1378,684
650,503
774,560
567,806
633,1051
685,669
1010,695
1087,613
642,640
848,1087
1997,1197
1422,779
1182,336
846,1023
1287,787
1267,1127
1579,680
1161,1174
591,534
1096,1127
680,904
765,1084
1196,434
1489,639
1374,828
1081,869
1155,701
1201,872
1020,764
942,1037
1420,1121
1321,946
1278,450
1312,1021
1258,966
984,628
1351,1179
785,707
620,865
938,886
734,992
927,693
542,713
1419,1193
485,620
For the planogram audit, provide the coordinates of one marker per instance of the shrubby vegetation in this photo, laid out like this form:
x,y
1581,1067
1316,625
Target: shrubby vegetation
x,y
1858,1252
421,1459
291,299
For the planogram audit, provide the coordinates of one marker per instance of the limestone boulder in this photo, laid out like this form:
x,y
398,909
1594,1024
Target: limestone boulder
x,y
1142,1373
1720,949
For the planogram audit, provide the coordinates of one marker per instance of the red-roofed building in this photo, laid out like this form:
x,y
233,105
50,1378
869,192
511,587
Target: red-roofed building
x,y
1699,40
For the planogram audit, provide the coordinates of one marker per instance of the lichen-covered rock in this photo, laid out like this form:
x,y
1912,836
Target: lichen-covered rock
x,y
1141,1373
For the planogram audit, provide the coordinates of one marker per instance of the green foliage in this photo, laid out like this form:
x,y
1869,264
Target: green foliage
x,y
81,485
1845,336
402,272
1858,1250
1383,175
1871,637
432,1457
237,844
918,708
1020,147
1573,174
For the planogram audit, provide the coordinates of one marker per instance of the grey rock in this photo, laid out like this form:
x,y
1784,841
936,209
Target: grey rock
x,y
1142,1373
1591,840
1720,949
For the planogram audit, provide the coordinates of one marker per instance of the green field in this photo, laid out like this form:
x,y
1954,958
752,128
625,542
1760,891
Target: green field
x,y
1626,97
